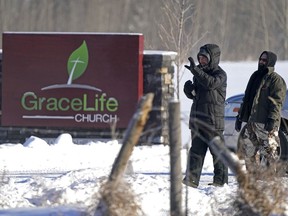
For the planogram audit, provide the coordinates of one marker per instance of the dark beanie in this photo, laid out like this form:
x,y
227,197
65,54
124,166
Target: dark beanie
x,y
204,52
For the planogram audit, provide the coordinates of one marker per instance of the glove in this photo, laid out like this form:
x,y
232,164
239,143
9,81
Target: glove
x,y
189,89
188,86
192,64
238,124
269,125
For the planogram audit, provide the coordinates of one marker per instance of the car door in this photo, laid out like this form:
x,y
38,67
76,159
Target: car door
x,y
232,106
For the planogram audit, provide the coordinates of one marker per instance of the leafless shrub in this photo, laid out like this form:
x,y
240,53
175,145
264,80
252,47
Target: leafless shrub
x,y
262,191
117,201
3,180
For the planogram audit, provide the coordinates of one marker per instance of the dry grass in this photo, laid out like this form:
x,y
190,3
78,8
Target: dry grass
x,y
117,200
261,192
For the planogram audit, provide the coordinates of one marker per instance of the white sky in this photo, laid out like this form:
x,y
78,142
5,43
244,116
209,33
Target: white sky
x,y
36,174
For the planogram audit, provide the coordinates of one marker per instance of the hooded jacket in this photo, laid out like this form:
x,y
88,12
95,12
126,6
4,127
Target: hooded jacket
x,y
210,86
267,101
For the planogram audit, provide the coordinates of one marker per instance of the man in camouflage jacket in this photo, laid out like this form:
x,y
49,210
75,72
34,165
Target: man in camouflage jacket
x,y
261,109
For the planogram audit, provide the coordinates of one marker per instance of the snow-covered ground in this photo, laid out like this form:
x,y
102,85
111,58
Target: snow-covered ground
x,y
71,174
35,174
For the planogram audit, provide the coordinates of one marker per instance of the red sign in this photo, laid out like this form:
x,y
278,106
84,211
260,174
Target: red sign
x,y
71,80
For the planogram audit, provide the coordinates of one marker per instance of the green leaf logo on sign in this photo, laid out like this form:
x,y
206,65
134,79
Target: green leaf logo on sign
x,y
76,66
77,62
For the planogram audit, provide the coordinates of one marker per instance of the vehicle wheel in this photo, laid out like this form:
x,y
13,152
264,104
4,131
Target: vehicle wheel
x,y
244,141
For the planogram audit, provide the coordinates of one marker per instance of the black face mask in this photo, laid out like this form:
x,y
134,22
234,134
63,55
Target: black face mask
x,y
262,63
261,67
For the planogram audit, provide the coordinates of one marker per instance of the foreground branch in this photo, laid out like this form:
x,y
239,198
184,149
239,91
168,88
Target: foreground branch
x,y
116,198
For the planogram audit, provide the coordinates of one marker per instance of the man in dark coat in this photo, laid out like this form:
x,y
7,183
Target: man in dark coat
x,y
208,92
261,109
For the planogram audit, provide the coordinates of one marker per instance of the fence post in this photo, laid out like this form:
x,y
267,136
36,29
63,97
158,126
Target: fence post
x,y
175,158
131,137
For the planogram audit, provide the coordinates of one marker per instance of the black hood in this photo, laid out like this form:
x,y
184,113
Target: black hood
x,y
214,53
272,58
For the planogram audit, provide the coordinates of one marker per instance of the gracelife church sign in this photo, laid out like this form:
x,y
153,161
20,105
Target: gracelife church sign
x,y
71,80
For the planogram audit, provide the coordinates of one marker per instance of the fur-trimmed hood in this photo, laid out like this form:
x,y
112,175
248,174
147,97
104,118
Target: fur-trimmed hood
x,y
214,53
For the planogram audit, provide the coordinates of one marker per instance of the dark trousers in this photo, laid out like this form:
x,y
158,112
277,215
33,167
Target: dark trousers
x,y
197,155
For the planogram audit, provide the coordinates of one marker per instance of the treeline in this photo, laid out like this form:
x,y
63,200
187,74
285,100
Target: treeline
x,y
242,28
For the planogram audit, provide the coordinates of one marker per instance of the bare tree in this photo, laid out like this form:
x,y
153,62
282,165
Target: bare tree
x,y
175,32
264,24
241,28
280,18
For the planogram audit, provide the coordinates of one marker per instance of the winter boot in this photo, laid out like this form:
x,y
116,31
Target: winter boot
x,y
220,173
189,182
193,171
216,184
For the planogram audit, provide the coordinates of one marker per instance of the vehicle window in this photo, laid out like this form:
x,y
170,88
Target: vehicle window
x,y
231,109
